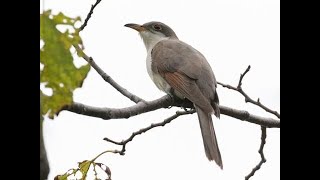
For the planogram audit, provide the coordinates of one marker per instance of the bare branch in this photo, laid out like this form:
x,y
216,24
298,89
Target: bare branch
x,y
143,130
242,75
107,78
263,159
89,15
119,113
247,98
246,116
163,102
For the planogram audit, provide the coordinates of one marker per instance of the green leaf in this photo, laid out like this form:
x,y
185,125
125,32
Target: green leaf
x,y
59,72
84,167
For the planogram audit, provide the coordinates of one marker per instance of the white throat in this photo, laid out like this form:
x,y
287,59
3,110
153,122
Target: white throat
x,y
150,40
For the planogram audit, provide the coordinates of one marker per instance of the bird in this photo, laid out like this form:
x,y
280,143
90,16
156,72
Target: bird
x,y
181,71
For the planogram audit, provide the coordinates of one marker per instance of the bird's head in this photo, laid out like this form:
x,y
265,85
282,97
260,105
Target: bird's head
x,y
153,32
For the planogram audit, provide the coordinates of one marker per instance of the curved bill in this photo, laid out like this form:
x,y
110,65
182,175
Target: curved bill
x,y
136,27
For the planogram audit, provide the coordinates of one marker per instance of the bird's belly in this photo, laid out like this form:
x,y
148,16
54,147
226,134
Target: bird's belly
x,y
156,78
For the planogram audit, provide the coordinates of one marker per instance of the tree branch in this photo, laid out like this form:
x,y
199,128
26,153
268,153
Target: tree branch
x,y
247,98
163,102
242,75
107,78
123,143
263,159
246,116
89,15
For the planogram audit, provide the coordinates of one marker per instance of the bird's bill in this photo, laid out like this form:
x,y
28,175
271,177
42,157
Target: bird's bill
x,y
136,27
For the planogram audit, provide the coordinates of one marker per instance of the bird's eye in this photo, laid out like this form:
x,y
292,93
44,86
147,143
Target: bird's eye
x,y
157,27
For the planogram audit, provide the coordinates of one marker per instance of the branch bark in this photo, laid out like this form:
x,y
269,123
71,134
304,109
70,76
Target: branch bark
x,y
89,15
163,102
123,143
247,98
263,159
107,78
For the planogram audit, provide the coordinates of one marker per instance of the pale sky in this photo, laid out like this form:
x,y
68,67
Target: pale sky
x,y
231,34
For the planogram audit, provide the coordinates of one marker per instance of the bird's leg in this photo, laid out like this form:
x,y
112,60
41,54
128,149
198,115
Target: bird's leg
x,y
185,109
187,105
173,97
184,103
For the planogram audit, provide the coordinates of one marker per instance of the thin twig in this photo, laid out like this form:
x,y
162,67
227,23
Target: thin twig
x,y
123,143
263,159
242,75
89,15
107,151
247,98
107,78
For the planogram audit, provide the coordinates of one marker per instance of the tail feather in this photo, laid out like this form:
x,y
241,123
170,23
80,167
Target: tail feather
x,y
209,137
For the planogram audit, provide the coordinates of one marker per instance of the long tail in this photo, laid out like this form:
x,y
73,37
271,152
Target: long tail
x,y
209,137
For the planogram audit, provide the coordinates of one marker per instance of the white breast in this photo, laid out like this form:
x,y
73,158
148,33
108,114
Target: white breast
x,y
150,40
156,78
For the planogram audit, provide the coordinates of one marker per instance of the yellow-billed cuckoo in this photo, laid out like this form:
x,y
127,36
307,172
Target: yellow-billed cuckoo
x,y
180,70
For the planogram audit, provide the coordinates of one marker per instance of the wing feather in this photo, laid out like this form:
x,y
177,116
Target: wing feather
x,y
188,88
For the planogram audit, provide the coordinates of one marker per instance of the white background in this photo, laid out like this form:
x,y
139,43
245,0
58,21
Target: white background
x,y
232,34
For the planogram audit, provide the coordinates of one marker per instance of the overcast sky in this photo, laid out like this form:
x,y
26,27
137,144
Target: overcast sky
x,y
231,34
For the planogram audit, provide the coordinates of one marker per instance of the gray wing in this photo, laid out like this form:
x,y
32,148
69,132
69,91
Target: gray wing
x,y
187,71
